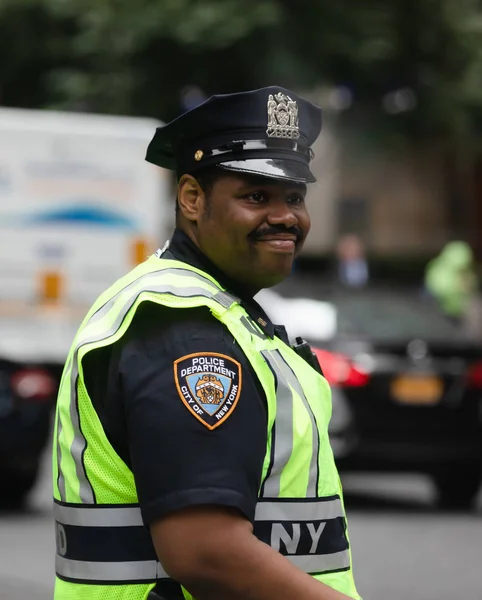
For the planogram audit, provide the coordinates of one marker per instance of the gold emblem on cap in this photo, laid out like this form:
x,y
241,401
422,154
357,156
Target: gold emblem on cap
x,y
198,155
282,117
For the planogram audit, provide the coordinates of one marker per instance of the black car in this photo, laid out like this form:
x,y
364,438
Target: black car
x,y
27,398
406,385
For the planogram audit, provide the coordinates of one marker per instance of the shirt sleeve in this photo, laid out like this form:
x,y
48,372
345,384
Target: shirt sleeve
x,y
195,413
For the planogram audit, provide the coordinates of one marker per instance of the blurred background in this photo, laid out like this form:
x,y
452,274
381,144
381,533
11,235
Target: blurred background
x,y
387,289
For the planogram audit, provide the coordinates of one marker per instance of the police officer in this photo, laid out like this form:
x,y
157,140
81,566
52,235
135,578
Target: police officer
x,y
191,455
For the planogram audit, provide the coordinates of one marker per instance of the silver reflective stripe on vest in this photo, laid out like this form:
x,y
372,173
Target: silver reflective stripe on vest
x,y
98,516
251,327
283,427
321,563
143,570
320,510
291,378
60,474
151,282
79,444
179,272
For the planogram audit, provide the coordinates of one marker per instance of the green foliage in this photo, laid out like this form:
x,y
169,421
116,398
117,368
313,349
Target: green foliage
x,y
121,26
135,57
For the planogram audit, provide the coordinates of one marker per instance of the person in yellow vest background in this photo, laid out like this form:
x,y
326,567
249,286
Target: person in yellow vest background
x,y
191,453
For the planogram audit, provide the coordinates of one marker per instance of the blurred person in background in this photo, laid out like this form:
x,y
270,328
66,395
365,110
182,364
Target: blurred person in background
x,y
351,264
191,451
451,279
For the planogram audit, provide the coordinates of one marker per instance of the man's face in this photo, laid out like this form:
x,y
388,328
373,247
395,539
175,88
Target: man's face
x,y
253,227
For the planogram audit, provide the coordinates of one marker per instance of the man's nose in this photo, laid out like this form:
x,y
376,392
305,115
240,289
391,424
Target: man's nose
x,y
281,213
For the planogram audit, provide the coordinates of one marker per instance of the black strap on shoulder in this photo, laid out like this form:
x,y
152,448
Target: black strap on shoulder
x,y
166,589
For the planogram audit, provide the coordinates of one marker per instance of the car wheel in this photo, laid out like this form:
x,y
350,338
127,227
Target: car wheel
x,y
17,485
457,486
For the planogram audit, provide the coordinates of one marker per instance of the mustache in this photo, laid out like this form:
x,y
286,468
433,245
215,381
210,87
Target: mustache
x,y
257,234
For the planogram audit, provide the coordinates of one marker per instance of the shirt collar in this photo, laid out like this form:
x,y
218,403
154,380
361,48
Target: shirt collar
x,y
182,248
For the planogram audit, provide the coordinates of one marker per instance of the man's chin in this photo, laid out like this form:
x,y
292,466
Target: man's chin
x,y
271,277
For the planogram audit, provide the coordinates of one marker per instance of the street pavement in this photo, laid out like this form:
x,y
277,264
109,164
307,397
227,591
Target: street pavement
x,y
403,549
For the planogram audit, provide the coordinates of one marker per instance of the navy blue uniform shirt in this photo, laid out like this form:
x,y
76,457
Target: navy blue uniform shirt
x,y
177,460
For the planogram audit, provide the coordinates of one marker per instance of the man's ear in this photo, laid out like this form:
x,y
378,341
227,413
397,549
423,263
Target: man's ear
x,y
190,197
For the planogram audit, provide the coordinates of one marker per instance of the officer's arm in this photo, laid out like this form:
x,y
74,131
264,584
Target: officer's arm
x,y
197,473
212,551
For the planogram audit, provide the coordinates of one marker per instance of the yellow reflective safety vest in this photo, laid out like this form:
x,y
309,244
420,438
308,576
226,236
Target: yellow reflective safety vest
x,y
103,550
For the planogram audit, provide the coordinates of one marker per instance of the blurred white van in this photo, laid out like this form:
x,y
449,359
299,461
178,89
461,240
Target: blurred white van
x,y
79,207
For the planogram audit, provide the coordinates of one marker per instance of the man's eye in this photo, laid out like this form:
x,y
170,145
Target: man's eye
x,y
296,199
256,197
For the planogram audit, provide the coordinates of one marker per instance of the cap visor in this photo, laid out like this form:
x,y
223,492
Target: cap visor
x,y
274,168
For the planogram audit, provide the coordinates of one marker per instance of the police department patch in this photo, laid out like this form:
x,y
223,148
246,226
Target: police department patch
x,y
209,384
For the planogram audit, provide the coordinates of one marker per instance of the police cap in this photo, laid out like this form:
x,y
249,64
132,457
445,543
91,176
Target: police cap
x,y
267,132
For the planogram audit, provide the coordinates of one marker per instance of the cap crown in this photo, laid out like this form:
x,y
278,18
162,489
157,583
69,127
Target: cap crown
x,y
218,130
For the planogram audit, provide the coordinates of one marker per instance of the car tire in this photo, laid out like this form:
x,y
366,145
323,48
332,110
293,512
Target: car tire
x,y
458,486
17,486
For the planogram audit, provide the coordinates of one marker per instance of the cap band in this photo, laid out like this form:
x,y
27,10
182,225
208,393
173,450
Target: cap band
x,y
199,156
249,145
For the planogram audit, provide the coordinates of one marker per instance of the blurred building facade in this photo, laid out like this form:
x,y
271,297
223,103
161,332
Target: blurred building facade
x,y
404,203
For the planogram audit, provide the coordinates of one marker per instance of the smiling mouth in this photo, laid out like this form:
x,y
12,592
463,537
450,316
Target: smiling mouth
x,y
280,243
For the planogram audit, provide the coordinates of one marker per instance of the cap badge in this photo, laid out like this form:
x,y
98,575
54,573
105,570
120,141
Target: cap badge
x,y
198,155
282,117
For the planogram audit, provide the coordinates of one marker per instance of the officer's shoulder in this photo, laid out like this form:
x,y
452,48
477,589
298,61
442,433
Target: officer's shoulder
x,y
152,321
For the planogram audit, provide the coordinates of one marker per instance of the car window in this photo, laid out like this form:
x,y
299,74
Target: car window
x,y
391,317
305,317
